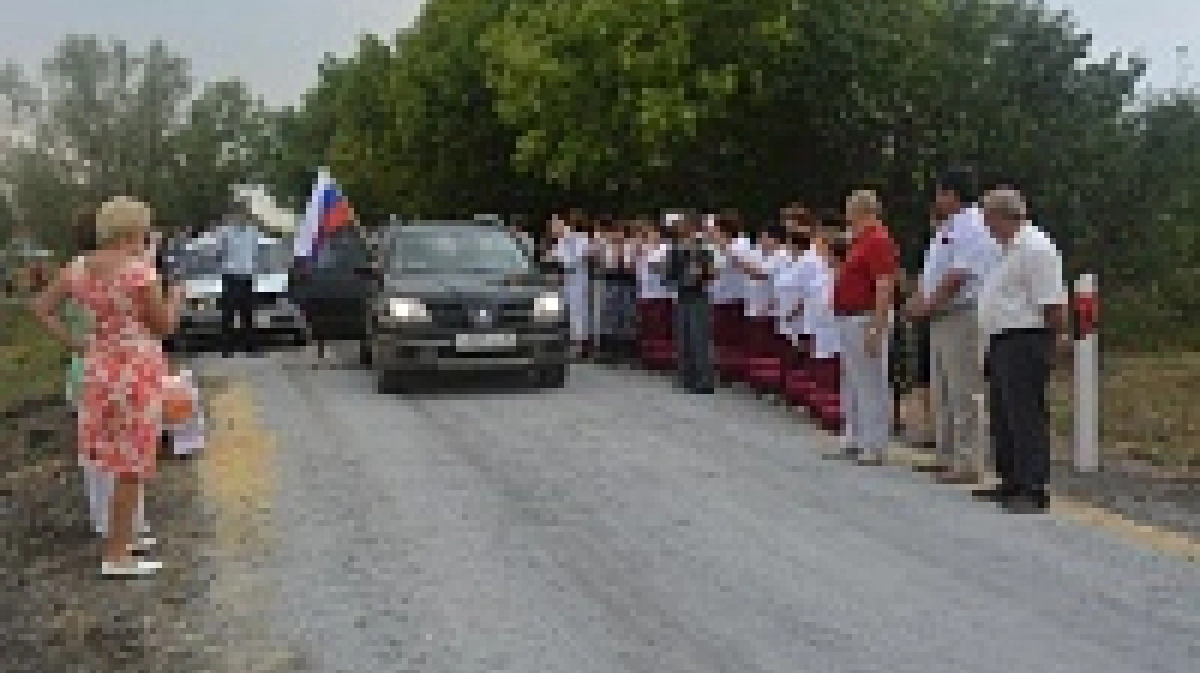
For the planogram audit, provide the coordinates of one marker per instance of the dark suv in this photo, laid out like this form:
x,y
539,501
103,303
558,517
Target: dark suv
x,y
461,296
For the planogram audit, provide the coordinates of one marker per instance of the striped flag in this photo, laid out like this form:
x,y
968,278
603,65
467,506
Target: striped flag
x,y
328,210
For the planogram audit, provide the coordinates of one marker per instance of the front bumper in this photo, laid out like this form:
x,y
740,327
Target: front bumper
x,y
429,349
271,322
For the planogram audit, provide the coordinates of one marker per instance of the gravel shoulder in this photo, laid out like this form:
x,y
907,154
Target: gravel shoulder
x,y
58,615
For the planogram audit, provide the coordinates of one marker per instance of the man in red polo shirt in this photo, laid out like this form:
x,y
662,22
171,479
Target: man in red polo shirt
x,y
862,302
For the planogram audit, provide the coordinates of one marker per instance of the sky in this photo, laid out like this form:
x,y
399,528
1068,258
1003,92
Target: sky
x,y
275,45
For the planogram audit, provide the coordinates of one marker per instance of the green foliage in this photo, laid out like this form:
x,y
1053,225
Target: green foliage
x,y
117,121
630,106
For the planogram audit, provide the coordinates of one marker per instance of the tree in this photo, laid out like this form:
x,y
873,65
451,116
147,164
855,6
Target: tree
x,y
115,109
224,140
21,98
119,121
8,219
301,137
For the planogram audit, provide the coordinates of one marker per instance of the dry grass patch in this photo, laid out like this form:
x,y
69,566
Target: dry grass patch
x,y
1148,408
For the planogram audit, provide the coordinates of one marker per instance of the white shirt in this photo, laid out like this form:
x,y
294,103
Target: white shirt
x,y
734,279
789,295
571,252
818,311
651,284
757,293
1027,278
963,243
783,285
810,270
720,290
238,243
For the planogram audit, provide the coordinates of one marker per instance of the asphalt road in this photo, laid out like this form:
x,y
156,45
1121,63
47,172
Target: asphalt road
x,y
618,525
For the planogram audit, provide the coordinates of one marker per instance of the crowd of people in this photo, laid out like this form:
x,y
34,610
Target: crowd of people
x,y
808,307
805,307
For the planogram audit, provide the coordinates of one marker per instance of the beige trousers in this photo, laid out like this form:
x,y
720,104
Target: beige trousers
x,y
956,382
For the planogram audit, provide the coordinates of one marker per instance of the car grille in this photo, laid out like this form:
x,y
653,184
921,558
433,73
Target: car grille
x,y
460,315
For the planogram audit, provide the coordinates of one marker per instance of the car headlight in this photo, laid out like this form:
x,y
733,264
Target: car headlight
x,y
407,310
548,306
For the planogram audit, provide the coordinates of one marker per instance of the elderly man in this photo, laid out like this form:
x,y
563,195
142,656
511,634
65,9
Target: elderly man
x,y
959,257
1022,311
862,300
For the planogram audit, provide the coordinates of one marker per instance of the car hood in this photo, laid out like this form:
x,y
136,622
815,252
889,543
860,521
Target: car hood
x,y
212,286
467,288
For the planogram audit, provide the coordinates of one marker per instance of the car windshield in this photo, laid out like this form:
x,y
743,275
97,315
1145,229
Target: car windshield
x,y
454,248
202,259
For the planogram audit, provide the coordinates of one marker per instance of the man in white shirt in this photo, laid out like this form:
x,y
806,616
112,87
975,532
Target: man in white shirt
x,y
960,256
237,240
1022,311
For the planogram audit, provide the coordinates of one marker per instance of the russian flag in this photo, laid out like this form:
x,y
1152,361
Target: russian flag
x,y
328,210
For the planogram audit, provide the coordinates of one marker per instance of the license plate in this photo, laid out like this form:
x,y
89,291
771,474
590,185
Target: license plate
x,y
485,342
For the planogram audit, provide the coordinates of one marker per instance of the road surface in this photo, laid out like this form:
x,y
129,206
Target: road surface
x,y
619,525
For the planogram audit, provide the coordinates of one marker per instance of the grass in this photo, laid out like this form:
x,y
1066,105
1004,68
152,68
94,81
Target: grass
x,y
1148,408
32,363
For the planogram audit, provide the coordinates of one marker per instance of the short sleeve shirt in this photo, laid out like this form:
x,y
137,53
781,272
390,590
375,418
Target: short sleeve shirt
x,y
1027,278
872,255
962,244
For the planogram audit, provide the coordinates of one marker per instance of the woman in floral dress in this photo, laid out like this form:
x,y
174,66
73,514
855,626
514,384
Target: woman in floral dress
x,y
120,399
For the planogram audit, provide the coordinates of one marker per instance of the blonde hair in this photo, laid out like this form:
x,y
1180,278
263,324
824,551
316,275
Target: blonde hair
x,y
864,201
122,217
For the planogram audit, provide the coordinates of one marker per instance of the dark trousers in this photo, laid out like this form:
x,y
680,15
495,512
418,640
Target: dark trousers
x,y
694,343
1018,368
237,300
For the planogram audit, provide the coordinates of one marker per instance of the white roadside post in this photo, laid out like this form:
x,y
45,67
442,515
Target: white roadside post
x,y
1087,374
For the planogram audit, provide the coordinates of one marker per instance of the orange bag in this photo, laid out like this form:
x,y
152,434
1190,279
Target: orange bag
x,y
179,401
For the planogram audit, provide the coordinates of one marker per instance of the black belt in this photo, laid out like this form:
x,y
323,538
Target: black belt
x,y
1023,331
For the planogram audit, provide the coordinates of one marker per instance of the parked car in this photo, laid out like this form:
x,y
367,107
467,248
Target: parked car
x,y
461,296
277,318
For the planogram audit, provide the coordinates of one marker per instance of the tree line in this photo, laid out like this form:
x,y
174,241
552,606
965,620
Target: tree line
x,y
630,106
104,119
627,107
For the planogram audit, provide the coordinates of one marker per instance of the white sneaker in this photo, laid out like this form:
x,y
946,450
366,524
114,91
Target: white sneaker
x,y
129,568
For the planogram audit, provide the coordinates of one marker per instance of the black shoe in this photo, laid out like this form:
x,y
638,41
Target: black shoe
x,y
993,494
1026,503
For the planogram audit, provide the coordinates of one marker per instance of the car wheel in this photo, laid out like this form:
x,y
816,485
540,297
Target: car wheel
x,y
390,382
554,377
365,356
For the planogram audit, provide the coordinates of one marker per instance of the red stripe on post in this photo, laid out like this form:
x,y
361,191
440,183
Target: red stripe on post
x,y
1087,313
